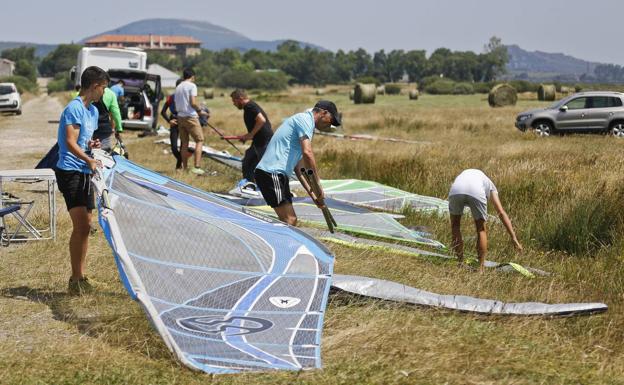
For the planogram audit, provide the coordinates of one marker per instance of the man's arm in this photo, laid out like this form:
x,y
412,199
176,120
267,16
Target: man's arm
x,y
260,120
163,111
72,131
110,101
505,219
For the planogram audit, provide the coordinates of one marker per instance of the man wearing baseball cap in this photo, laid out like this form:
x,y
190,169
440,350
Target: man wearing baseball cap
x,y
289,150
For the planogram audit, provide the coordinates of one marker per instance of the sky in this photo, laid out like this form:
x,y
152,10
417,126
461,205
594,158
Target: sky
x,y
588,30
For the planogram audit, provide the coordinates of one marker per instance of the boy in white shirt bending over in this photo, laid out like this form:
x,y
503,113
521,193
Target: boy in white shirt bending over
x,y
473,188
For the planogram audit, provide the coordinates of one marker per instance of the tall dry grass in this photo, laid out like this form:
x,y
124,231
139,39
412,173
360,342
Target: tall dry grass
x,y
563,194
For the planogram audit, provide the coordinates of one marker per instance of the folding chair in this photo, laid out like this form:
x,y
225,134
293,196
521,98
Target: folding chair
x,y
5,240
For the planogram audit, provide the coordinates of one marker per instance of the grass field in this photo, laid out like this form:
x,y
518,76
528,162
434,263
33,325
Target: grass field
x,y
563,194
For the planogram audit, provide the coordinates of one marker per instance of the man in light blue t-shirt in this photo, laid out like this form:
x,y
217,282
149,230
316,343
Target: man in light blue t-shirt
x,y
289,150
74,167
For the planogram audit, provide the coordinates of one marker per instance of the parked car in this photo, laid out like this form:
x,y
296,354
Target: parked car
x,y
10,100
142,96
596,111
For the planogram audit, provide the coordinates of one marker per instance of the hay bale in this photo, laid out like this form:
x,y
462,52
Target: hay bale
x,y
209,93
567,90
413,94
381,90
502,95
364,93
351,93
319,92
546,92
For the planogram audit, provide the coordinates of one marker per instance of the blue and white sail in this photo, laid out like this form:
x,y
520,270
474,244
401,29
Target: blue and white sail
x,y
227,291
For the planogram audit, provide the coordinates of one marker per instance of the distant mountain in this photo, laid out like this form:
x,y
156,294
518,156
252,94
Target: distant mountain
x,y
542,65
213,37
40,49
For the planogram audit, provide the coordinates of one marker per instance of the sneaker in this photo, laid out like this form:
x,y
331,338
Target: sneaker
x,y
242,182
197,171
80,286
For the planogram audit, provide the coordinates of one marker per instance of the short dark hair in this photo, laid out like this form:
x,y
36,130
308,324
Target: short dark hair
x,y
238,93
93,75
188,73
121,81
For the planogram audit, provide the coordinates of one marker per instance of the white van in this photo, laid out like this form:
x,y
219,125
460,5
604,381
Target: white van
x,y
142,90
10,100
108,58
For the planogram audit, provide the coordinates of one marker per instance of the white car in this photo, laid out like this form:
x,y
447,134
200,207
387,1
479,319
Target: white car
x,y
10,100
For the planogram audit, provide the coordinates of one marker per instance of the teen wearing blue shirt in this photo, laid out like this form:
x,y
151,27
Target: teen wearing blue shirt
x,y
74,167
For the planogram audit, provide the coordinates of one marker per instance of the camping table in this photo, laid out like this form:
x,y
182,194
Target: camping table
x,y
32,176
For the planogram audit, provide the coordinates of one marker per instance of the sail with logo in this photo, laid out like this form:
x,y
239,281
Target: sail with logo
x,y
227,291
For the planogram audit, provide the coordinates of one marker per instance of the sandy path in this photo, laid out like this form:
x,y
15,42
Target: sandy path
x,y
28,137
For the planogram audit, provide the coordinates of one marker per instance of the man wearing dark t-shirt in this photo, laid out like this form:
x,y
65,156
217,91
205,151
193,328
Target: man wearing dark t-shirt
x,y
258,131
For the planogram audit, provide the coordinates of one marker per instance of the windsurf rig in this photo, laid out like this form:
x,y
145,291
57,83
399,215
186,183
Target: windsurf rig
x,y
227,291
222,157
377,196
350,219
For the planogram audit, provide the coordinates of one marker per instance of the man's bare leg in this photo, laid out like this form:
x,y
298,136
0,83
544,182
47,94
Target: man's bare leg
x,y
199,148
79,240
457,243
286,213
184,152
481,243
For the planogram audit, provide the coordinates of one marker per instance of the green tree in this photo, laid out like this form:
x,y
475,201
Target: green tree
x,y
62,59
25,62
415,65
493,60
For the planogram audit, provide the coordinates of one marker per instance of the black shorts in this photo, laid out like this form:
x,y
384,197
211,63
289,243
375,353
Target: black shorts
x,y
274,187
76,189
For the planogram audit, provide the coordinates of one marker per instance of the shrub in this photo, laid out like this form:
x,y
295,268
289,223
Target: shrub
x,y
463,89
440,87
524,86
393,89
482,87
60,83
367,79
23,84
254,80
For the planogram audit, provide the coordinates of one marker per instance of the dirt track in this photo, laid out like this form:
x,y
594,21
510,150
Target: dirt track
x,y
26,138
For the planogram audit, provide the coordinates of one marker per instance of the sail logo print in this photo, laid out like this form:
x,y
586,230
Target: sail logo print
x,y
284,302
212,325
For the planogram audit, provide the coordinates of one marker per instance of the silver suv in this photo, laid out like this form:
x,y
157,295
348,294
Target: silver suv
x,y
598,111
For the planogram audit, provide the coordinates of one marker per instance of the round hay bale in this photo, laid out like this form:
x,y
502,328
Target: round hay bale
x,y
364,93
502,95
546,92
351,93
413,94
381,90
319,92
567,90
209,93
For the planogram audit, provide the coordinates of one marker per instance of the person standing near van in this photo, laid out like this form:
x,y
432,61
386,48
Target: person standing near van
x,y
109,120
185,98
473,188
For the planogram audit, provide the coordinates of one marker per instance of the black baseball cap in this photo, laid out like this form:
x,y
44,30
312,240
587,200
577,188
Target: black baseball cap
x,y
331,108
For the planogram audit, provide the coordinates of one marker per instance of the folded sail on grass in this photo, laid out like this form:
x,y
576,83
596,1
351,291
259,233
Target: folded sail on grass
x,y
228,292
377,196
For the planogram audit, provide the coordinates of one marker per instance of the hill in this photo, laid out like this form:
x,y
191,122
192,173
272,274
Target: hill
x,y
212,36
541,65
